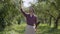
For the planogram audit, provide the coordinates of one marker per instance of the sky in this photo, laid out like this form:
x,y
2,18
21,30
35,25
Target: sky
x,y
26,3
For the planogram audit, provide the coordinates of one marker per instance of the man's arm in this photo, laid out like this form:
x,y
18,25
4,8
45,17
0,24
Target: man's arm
x,y
25,14
35,24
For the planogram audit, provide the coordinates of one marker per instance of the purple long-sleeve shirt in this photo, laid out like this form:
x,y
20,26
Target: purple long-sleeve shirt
x,y
30,20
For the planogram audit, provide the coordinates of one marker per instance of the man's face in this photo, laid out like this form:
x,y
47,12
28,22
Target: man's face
x,y
30,11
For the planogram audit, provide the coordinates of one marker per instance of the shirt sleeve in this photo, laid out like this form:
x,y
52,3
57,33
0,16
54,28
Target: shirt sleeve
x,y
23,12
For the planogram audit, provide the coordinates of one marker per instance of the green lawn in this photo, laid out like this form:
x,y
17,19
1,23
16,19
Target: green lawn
x,y
19,29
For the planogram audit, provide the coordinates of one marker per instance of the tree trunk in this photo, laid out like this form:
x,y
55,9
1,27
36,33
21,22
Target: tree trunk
x,y
50,21
56,22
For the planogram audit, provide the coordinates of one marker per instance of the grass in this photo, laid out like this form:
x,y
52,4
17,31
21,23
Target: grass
x,y
45,29
19,29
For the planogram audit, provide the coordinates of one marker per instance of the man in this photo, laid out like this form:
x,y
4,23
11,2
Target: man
x,y
31,20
